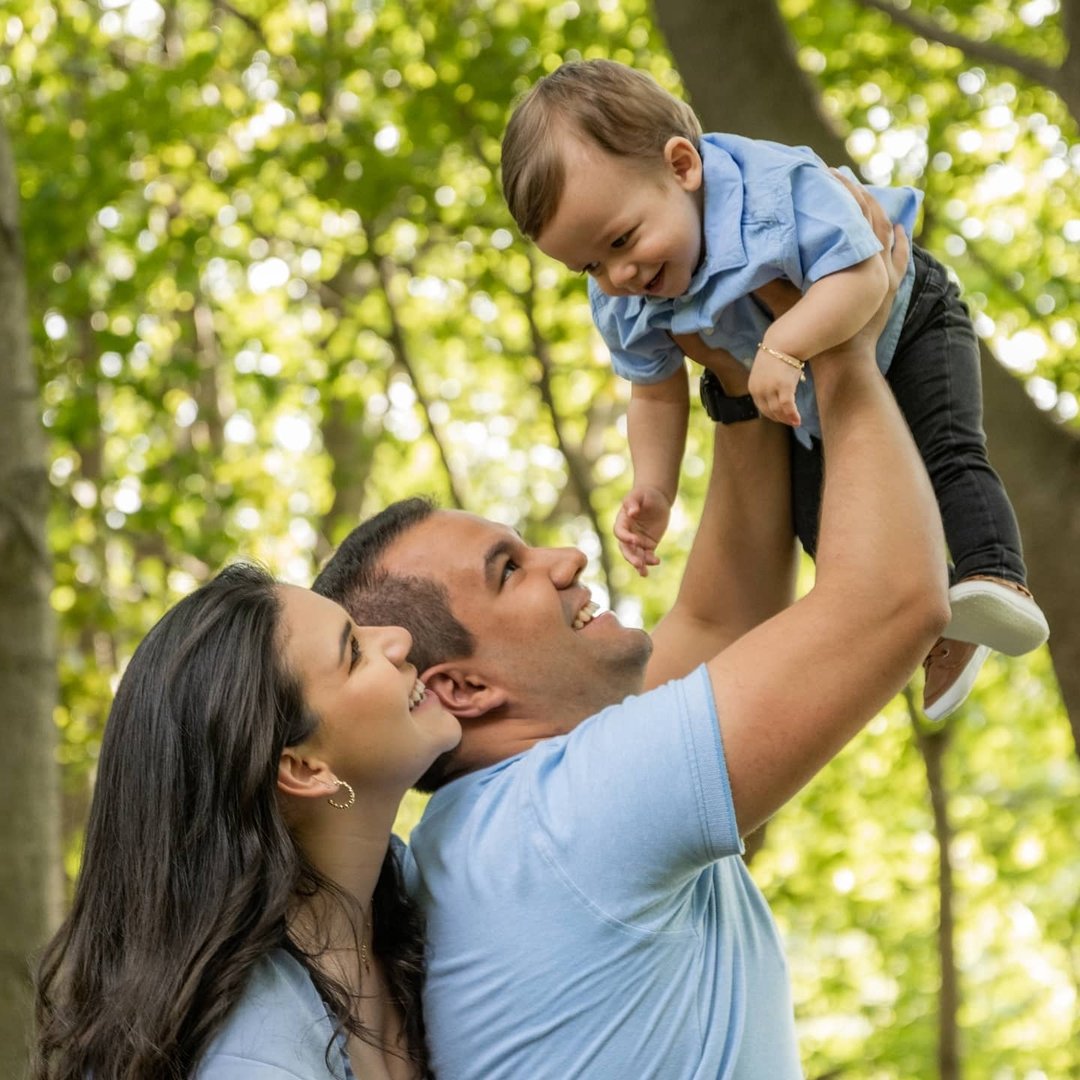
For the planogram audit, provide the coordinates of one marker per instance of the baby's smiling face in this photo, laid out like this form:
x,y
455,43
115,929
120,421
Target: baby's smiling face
x,y
633,226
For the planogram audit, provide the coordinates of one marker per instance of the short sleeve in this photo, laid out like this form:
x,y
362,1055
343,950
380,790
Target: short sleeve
x,y
830,228
652,357
662,360
637,798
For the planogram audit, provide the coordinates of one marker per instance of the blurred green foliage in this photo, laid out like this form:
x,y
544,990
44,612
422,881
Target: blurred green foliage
x,y
274,287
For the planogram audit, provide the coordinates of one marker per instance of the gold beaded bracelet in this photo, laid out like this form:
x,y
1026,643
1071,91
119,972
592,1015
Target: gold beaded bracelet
x,y
791,361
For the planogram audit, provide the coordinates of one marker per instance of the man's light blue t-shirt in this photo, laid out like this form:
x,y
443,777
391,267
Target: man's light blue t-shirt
x,y
589,916
771,211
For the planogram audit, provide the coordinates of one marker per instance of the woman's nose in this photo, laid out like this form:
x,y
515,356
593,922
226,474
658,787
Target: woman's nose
x,y
394,641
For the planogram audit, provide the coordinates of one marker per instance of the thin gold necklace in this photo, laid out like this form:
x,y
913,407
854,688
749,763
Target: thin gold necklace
x,y
365,959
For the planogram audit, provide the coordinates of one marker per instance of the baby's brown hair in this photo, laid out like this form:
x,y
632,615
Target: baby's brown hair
x,y
620,110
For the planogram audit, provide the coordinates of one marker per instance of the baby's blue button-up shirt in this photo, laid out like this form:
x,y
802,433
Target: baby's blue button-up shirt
x,y
771,211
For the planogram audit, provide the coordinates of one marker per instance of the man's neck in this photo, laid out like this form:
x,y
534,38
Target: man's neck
x,y
489,740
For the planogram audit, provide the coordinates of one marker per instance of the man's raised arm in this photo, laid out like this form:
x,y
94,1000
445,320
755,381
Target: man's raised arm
x,y
741,568
792,692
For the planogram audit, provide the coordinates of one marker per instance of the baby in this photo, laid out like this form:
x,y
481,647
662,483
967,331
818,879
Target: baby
x,y
612,176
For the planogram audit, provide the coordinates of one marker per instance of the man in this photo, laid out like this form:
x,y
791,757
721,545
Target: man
x,y
588,914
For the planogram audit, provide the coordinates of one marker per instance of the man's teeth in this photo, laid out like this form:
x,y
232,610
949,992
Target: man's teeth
x,y
417,695
585,615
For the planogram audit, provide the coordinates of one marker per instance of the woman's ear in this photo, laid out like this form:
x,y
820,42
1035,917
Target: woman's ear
x,y
463,692
685,162
304,776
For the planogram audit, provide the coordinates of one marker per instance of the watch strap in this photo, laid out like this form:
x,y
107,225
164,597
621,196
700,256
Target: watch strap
x,y
721,408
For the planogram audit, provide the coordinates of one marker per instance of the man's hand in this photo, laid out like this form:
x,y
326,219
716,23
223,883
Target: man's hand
x,y
779,296
640,525
897,251
772,386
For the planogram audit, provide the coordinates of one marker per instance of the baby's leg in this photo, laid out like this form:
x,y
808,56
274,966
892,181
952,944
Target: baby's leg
x,y
935,377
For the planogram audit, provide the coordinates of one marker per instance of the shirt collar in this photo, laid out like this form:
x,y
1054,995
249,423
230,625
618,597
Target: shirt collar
x,y
723,213
722,226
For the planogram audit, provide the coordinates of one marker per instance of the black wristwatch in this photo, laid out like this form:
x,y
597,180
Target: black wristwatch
x,y
720,407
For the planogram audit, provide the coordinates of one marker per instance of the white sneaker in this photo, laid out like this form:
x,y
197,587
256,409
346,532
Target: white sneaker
x,y
991,611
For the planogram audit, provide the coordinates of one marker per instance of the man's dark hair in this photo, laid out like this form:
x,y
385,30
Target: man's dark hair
x,y
355,579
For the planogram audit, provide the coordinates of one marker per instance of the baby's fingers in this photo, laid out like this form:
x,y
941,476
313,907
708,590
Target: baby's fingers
x,y
625,529
632,554
632,505
788,412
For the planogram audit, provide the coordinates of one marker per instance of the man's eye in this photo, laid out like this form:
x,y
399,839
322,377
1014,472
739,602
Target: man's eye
x,y
508,568
355,646
621,241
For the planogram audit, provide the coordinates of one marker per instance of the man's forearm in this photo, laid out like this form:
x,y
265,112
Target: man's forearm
x,y
880,521
741,567
793,691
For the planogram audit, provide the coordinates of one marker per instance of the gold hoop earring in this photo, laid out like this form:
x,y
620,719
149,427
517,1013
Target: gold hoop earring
x,y
352,796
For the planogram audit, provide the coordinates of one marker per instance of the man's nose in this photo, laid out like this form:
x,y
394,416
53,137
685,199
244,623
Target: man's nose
x,y
566,565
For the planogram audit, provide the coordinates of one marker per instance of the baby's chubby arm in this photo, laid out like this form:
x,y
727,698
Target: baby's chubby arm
x,y
656,428
831,311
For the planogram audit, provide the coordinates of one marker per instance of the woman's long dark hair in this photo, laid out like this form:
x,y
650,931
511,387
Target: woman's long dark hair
x,y
188,868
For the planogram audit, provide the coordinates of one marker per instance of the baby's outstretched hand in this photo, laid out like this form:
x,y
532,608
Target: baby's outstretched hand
x,y
772,386
640,525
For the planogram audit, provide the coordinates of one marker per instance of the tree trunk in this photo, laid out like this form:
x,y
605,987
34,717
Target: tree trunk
x,y
351,452
1039,461
738,63
30,883
932,745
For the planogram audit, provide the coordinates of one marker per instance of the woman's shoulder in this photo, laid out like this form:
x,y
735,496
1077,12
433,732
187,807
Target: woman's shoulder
x,y
279,1029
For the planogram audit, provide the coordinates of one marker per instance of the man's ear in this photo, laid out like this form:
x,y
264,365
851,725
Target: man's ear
x,y
684,161
462,691
304,776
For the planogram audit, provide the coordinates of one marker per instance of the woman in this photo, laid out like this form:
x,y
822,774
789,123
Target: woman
x,y
240,911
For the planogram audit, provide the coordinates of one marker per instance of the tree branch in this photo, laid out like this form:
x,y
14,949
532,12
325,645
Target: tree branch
x,y
249,21
350,447
207,391
575,466
1070,24
396,341
987,51
932,744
